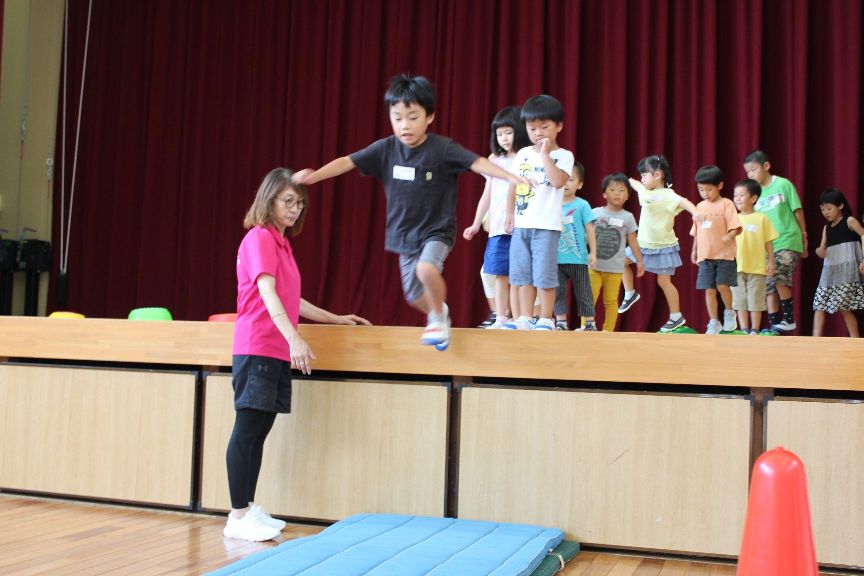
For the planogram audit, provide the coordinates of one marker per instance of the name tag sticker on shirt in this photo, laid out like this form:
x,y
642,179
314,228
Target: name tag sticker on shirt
x,y
567,219
403,173
706,224
776,200
616,222
751,228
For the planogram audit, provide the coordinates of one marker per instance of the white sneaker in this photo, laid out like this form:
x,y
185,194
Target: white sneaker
x,y
521,323
499,323
249,528
266,519
730,321
784,327
544,324
714,327
437,332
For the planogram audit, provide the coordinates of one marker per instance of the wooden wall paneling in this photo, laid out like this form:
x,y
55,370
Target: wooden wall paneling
x,y
101,433
828,436
647,471
347,447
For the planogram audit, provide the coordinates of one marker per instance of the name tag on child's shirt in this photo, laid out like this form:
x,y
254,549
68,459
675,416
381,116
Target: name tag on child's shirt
x,y
751,228
618,222
403,173
776,200
567,219
706,224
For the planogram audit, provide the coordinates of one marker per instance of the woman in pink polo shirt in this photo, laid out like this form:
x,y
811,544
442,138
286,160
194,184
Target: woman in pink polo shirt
x,y
266,342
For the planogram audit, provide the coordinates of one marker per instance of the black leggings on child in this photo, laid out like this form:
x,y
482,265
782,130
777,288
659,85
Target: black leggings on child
x,y
245,449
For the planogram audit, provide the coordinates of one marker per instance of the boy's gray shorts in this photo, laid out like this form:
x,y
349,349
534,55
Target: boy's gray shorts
x,y
534,258
433,252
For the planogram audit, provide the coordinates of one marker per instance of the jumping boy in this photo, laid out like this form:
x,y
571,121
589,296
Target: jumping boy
x,y
714,248
418,170
534,214
779,201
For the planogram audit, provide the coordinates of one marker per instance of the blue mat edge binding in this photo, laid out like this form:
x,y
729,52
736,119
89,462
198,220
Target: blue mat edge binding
x,y
549,541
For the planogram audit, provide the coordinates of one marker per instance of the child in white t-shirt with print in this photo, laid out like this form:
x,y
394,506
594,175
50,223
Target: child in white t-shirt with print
x,y
534,213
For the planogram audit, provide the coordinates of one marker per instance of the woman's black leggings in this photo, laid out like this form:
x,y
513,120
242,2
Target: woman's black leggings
x,y
245,450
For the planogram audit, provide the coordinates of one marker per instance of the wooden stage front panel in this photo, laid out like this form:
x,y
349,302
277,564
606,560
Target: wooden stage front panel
x,y
113,434
348,447
631,470
829,438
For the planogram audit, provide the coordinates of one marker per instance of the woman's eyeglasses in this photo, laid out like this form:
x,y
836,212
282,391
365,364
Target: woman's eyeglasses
x,y
292,203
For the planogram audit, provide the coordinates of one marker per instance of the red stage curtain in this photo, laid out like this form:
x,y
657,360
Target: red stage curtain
x,y
188,104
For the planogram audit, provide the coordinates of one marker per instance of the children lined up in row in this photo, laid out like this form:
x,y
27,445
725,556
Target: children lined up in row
x,y
419,172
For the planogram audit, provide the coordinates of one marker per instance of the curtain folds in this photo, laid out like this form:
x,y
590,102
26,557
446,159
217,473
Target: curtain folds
x,y
188,104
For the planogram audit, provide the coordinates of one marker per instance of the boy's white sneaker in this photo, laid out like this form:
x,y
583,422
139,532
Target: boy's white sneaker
x,y
714,327
521,323
249,528
265,518
730,321
544,324
499,323
437,332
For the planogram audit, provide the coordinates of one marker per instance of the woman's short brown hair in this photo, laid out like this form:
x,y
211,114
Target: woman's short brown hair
x,y
273,184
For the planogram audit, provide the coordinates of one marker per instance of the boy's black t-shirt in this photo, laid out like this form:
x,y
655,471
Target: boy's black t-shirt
x,y
420,185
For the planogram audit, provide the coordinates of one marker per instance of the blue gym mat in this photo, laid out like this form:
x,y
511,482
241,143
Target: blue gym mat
x,y
397,545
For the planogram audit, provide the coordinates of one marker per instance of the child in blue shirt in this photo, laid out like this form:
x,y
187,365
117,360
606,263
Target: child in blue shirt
x,y
577,248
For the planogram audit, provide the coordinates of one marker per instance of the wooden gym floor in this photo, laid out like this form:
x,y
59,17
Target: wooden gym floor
x,y
50,536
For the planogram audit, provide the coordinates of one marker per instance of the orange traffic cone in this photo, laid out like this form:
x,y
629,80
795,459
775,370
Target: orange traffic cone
x,y
778,538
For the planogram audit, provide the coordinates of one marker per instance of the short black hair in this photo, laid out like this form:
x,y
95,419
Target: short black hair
x,y
709,175
654,163
837,198
757,156
542,107
408,90
509,117
752,186
619,177
579,169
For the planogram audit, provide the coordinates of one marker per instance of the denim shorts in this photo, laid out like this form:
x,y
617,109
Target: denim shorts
x,y
496,260
534,258
261,383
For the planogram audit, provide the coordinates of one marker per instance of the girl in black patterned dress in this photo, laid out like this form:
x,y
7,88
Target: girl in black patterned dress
x,y
841,286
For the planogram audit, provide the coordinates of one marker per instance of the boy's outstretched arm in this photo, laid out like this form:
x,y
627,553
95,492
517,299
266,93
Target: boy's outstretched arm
x,y
485,166
335,168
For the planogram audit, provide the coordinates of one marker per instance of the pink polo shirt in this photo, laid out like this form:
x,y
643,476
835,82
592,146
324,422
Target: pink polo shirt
x,y
264,251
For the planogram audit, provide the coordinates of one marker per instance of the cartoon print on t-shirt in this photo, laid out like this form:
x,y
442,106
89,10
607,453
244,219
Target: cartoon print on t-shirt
x,y
523,192
568,243
608,239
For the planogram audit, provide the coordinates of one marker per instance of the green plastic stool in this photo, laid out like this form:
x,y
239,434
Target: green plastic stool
x,y
680,330
155,313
